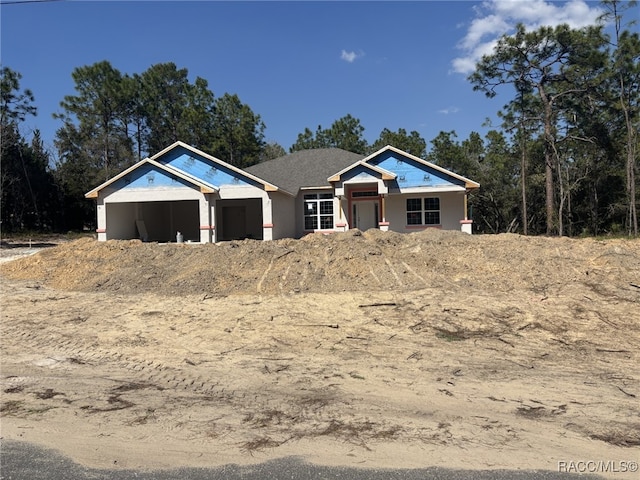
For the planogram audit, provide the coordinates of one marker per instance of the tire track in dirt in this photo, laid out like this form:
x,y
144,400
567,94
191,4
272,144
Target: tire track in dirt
x,y
148,371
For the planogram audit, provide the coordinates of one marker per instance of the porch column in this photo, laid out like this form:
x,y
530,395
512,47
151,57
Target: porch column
x,y
466,200
212,218
465,225
205,219
102,220
341,224
267,219
383,225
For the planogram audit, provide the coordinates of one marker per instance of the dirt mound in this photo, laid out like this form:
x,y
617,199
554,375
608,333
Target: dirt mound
x,y
366,349
351,261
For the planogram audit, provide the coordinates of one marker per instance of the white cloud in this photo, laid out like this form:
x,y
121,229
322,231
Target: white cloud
x,y
350,57
495,18
449,110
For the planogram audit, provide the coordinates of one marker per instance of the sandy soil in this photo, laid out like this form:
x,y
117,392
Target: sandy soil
x,y
370,350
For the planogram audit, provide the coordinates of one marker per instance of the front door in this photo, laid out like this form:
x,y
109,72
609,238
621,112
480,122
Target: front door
x,y
365,215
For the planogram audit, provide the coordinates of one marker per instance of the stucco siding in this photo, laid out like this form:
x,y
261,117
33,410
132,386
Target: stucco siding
x,y
283,211
151,194
242,191
451,211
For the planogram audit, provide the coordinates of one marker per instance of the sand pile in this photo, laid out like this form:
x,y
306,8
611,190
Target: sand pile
x,y
351,261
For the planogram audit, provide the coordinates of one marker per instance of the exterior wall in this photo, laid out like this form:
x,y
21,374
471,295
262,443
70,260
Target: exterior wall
x,y
299,214
241,191
451,211
283,214
151,194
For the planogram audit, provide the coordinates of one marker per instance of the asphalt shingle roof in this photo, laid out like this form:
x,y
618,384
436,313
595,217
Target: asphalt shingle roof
x,y
305,168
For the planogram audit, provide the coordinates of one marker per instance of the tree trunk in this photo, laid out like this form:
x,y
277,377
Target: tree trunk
x,y
548,158
631,177
523,180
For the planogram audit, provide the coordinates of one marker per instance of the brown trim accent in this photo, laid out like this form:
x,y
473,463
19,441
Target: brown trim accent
x,y
466,222
341,224
383,224
101,230
207,227
267,225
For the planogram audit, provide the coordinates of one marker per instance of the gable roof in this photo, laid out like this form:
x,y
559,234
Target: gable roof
x,y
305,168
469,184
203,186
384,174
269,187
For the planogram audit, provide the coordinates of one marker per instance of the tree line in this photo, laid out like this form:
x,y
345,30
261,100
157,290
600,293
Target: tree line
x,y
563,160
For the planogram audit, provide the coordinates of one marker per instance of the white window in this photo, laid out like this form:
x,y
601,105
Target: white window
x,y
423,211
318,211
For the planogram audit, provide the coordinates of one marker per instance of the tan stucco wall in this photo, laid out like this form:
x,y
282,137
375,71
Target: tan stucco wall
x,y
451,210
283,211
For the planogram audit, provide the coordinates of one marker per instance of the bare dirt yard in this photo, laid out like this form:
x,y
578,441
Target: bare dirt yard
x,y
362,349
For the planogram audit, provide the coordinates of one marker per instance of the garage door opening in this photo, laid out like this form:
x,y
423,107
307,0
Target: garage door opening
x,y
239,219
153,221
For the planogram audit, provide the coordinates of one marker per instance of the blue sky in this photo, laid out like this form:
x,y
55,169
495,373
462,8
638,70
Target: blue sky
x,y
296,64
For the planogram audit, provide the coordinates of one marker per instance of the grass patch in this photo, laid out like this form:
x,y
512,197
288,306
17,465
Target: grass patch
x,y
259,444
12,407
47,394
450,336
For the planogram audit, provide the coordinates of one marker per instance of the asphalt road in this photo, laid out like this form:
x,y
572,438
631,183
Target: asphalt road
x,y
24,461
